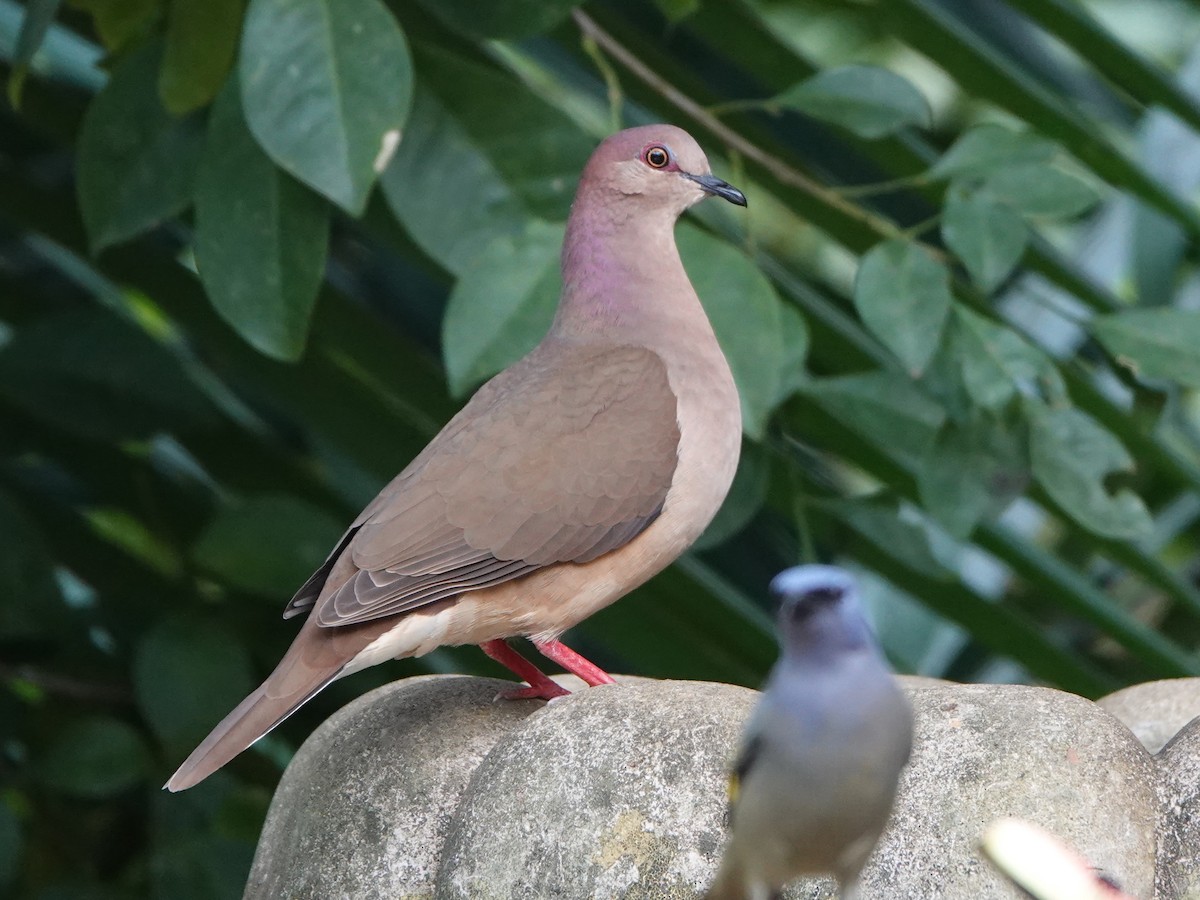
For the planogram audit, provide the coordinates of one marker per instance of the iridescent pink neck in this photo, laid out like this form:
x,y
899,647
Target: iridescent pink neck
x,y
615,260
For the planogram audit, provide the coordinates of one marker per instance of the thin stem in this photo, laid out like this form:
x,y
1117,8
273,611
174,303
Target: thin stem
x,y
612,83
777,167
1056,306
66,686
912,232
720,109
737,170
804,532
876,188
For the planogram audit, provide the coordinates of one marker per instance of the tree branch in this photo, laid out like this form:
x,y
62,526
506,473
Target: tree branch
x,y
68,686
778,169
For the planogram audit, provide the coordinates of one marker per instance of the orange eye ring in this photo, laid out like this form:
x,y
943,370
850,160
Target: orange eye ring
x,y
657,156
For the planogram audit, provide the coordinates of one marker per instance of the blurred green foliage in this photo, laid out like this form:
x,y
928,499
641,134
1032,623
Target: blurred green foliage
x,y
961,309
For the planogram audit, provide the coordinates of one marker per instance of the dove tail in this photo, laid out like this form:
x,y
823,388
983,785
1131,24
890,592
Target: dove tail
x,y
250,720
317,656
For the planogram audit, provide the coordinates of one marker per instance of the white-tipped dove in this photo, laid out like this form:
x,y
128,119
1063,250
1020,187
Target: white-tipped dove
x,y
822,752
569,479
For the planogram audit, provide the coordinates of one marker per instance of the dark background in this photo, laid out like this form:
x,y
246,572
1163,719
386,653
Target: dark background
x,y
971,384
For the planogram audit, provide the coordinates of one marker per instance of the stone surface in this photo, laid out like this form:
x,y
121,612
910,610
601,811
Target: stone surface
x,y
426,788
612,792
363,808
916,682
987,751
1155,710
1179,833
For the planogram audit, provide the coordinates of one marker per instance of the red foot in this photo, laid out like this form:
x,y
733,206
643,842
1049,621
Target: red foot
x,y
548,691
540,685
591,673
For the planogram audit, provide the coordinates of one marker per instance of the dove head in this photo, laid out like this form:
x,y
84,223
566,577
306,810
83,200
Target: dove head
x,y
620,265
652,169
819,612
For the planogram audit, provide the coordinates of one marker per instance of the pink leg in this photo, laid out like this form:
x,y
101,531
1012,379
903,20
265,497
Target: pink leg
x,y
540,686
591,673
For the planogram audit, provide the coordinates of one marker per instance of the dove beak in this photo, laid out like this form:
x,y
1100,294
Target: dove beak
x,y
711,184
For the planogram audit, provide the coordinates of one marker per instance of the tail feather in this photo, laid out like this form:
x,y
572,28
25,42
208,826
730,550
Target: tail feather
x,y
316,657
250,720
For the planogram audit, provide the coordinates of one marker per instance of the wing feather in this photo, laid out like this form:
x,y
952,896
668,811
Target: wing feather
x,y
565,456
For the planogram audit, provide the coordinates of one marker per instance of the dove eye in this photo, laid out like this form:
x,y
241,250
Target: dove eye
x,y
656,156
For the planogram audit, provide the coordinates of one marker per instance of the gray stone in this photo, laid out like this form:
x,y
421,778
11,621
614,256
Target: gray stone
x,y
983,752
1155,710
363,808
612,792
1179,831
426,788
917,682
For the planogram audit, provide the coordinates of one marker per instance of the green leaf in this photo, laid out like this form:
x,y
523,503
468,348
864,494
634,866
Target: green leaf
x,y
202,841
439,166
95,375
178,817
39,16
33,606
267,545
745,498
174,658
502,305
1072,455
78,890
988,237
537,149
903,296
242,813
1159,248
510,19
915,637
121,23
326,87
1041,191
261,237
202,37
870,101
972,472
1113,54
94,757
137,162
887,409
942,381
880,523
134,536
10,844
986,148
1154,343
200,867
978,66
677,10
996,361
746,315
795,336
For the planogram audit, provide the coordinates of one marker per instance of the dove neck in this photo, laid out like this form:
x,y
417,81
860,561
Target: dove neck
x,y
621,271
